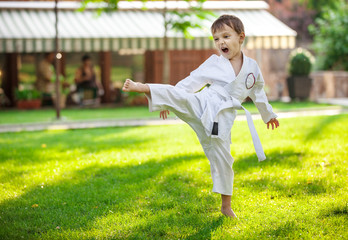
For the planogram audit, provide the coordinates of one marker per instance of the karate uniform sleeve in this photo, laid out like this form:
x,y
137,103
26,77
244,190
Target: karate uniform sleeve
x,y
259,98
197,78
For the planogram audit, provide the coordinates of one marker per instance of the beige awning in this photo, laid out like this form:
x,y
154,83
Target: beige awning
x,y
29,27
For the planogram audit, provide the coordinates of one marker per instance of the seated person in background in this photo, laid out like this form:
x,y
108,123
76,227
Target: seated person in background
x,y
45,77
85,77
45,73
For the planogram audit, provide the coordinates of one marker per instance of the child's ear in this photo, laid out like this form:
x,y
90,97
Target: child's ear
x,y
241,37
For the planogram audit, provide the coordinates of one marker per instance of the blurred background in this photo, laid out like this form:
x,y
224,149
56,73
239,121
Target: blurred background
x,y
301,47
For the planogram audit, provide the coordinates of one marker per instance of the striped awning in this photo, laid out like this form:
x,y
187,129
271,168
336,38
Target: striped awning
x,y
30,28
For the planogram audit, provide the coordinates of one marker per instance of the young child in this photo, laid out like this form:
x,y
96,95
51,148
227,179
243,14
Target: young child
x,y
229,79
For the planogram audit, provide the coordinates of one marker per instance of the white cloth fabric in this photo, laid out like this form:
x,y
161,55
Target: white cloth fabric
x,y
216,103
231,102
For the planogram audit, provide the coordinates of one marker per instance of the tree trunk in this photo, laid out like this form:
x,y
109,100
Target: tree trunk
x,y
166,59
56,63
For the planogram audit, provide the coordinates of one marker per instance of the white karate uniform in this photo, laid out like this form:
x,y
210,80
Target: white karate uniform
x,y
216,103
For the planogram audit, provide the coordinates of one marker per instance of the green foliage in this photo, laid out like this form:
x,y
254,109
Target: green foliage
x,y
331,38
300,62
300,65
103,5
184,21
64,90
154,183
131,96
120,73
27,73
27,94
318,5
178,20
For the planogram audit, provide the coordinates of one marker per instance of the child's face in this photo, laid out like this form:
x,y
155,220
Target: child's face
x,y
228,41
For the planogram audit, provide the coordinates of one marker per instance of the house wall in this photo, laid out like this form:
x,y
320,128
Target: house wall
x,y
182,63
271,61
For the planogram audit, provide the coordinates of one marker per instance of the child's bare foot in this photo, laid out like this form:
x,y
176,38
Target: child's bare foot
x,y
228,212
130,86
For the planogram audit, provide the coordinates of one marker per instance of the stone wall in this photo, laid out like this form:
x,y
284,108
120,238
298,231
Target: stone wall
x,y
273,64
329,84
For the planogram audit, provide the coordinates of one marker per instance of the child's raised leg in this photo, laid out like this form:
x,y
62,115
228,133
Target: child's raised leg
x,y
130,86
226,206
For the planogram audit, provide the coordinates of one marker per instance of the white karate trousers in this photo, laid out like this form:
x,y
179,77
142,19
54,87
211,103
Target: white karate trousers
x,y
189,107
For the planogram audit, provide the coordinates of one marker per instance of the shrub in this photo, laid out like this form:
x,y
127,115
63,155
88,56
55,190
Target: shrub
x,y
330,38
300,63
27,94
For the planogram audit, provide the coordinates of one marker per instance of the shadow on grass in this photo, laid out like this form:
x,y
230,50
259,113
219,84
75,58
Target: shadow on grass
x,y
336,210
97,192
264,183
27,148
282,188
30,147
206,231
285,159
317,129
285,231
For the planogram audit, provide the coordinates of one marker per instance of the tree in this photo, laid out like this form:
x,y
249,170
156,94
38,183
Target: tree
x,y
319,6
56,63
331,38
178,20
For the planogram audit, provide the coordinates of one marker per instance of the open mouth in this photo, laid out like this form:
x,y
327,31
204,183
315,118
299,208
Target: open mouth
x,y
225,50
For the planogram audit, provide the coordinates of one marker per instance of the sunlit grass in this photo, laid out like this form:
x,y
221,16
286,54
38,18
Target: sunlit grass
x,y
154,183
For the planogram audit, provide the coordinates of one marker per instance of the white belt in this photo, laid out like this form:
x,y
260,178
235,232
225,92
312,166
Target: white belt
x,y
232,102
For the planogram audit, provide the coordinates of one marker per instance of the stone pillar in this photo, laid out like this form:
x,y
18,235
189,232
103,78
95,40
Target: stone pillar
x,y
329,81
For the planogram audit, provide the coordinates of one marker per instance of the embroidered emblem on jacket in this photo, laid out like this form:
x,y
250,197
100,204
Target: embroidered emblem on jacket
x,y
250,81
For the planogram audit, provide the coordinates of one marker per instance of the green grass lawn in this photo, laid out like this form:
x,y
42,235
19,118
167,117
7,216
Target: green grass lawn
x,y
154,183
48,115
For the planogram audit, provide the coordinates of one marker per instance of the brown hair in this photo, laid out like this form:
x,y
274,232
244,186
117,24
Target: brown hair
x,y
230,20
